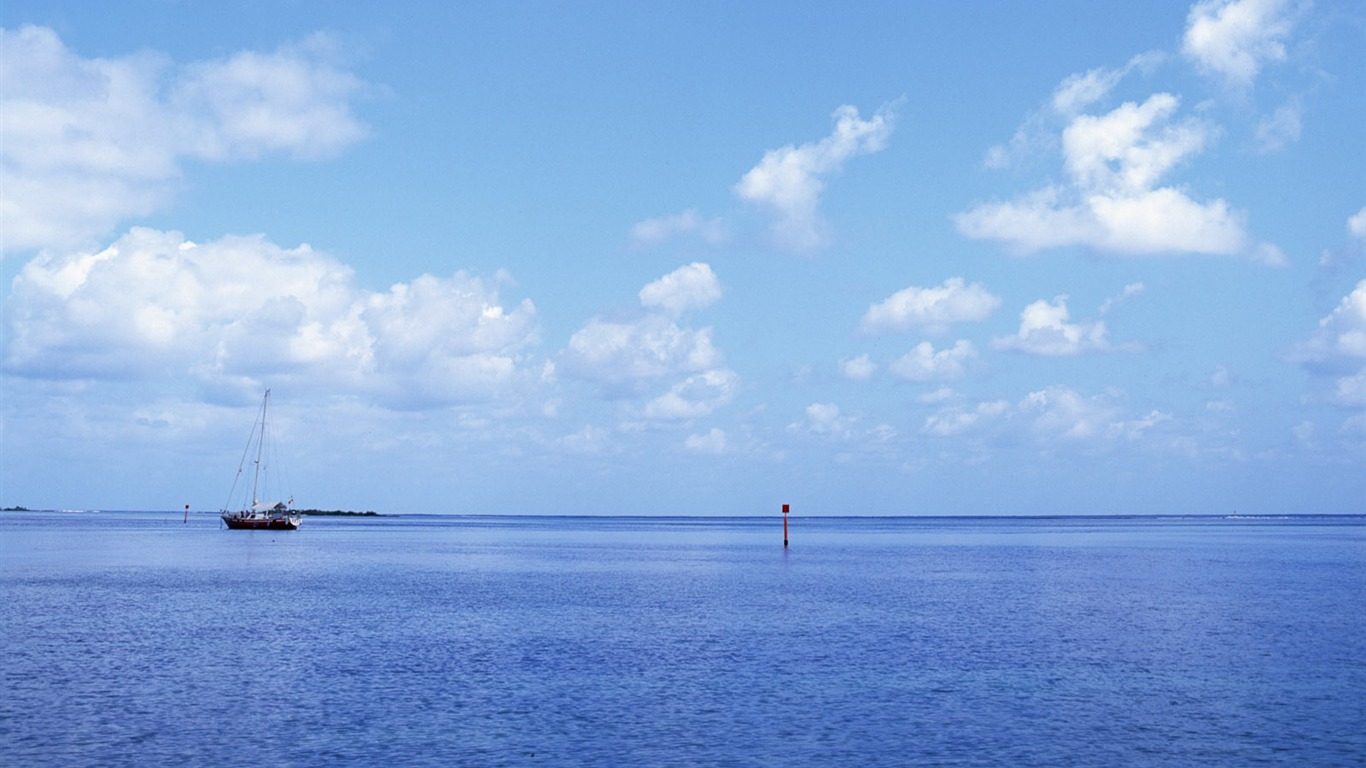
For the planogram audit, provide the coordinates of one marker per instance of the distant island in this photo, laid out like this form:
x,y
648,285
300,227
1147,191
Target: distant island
x,y
16,509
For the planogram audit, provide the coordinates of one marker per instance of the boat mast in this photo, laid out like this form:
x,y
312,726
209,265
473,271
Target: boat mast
x,y
260,447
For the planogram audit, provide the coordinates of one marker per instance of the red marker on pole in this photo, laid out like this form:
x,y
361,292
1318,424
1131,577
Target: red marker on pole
x,y
784,525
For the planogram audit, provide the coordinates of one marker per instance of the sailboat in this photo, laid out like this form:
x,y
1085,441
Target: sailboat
x,y
267,515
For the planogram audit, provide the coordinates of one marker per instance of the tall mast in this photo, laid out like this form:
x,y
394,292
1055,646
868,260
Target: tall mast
x,y
260,446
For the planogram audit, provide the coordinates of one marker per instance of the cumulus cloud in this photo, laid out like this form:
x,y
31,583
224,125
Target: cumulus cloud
x,y
1061,415
1341,336
625,353
1079,91
924,363
1129,291
789,181
824,419
956,420
695,396
1233,39
939,396
653,232
1073,95
1045,330
451,336
635,356
241,309
1054,418
91,142
930,309
1116,195
1128,149
859,368
713,441
1112,201
686,288
295,100
1350,392
1356,224
1280,128
1337,350
586,441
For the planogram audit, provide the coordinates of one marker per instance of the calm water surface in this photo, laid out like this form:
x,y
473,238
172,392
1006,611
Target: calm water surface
x,y
134,639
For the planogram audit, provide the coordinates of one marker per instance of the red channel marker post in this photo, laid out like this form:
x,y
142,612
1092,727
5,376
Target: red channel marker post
x,y
784,525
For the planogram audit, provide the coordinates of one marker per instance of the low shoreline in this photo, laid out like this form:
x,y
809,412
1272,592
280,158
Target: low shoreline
x,y
308,512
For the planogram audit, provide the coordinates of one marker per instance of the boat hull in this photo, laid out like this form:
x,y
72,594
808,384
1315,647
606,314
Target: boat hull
x,y
248,522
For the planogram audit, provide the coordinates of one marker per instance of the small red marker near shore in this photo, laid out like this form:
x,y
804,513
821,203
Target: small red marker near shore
x,y
784,525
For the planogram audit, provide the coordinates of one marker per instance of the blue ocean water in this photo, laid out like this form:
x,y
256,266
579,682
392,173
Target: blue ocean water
x,y
136,639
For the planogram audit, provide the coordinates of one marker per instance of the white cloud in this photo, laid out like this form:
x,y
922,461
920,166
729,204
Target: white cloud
x,y
1073,95
652,232
1356,224
293,100
1129,291
631,357
1128,149
1045,330
789,181
957,420
939,396
1341,336
1080,91
241,309
1054,418
1221,379
447,330
1280,128
1038,221
1350,391
1077,92
859,368
825,419
618,353
1111,201
1063,413
694,397
91,142
692,287
1337,350
1232,39
714,441
1166,220
586,441
925,364
930,309
1354,425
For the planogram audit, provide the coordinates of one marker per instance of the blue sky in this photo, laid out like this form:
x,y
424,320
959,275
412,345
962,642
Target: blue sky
x,y
688,258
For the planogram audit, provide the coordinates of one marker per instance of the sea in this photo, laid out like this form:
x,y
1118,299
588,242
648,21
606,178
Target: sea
x,y
152,638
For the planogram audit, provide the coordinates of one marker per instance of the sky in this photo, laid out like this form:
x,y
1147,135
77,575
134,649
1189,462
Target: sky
x,y
671,258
